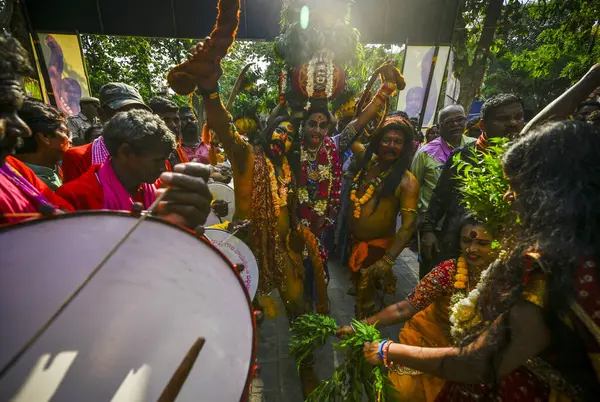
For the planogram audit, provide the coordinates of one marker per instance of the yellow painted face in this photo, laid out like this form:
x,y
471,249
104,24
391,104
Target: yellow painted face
x,y
245,125
282,139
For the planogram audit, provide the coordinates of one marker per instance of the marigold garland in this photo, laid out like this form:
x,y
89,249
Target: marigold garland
x,y
462,274
373,185
279,192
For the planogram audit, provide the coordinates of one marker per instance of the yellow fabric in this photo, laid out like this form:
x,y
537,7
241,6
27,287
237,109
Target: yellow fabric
x,y
428,328
361,250
220,226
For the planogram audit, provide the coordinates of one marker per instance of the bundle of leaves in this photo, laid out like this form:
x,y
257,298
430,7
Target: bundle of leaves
x,y
354,375
482,184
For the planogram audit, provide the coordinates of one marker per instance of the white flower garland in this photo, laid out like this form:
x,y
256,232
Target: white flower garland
x,y
310,80
329,87
463,315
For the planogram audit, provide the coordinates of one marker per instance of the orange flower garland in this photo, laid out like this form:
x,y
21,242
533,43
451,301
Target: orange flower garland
x,y
462,274
279,192
373,185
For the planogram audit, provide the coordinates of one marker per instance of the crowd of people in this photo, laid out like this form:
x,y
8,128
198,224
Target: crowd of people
x,y
309,184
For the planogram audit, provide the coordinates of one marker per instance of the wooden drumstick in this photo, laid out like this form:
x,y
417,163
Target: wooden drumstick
x,y
181,374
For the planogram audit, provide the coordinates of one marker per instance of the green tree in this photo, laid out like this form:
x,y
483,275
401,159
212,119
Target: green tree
x,y
475,29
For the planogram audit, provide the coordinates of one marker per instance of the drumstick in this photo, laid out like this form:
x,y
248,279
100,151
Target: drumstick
x,y
78,290
181,374
235,231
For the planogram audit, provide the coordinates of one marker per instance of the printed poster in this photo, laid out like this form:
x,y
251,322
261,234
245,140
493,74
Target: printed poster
x,y
436,85
62,57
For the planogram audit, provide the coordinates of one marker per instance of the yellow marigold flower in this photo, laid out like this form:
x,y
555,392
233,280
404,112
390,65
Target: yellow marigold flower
x,y
462,271
460,285
460,278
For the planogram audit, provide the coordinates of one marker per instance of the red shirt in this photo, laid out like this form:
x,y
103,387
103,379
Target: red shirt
x,y
85,193
13,201
76,161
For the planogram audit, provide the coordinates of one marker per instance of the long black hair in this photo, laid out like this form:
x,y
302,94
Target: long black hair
x,y
555,173
403,162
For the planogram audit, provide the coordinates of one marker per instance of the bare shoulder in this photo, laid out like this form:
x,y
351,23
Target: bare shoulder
x,y
408,185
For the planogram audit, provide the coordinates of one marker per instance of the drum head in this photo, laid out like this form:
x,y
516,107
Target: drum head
x,y
223,192
238,253
128,330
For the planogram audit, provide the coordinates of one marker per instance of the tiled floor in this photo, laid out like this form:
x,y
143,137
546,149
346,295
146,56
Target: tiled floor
x,y
278,370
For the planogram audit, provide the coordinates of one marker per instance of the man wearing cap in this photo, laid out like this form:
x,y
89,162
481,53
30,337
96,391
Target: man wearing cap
x,y
115,97
87,117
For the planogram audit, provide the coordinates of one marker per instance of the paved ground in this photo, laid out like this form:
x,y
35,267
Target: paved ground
x,y
278,369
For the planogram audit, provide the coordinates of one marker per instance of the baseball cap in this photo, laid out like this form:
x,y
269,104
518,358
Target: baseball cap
x,y
116,95
89,99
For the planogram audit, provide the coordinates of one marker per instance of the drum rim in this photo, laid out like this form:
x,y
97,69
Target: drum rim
x,y
219,184
253,354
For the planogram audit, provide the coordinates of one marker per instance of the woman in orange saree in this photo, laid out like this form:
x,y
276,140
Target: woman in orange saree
x,y
425,311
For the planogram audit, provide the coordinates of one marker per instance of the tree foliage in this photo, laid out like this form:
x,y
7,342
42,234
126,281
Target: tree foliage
x,y
539,48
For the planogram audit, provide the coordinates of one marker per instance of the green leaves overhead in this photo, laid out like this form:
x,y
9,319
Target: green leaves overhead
x,y
483,185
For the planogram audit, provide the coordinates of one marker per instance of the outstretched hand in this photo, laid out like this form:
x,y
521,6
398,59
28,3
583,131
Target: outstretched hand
x,y
371,350
204,55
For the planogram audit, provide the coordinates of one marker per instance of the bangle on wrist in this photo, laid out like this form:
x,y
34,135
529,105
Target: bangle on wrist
x,y
381,346
386,350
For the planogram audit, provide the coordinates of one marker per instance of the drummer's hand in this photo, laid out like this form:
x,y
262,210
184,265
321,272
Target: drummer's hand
x,y
344,331
188,201
238,225
371,350
221,208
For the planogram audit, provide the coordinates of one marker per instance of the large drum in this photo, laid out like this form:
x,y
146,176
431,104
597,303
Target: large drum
x,y
223,192
128,330
238,253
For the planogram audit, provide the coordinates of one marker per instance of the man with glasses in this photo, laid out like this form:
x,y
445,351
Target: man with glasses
x,y
430,159
502,116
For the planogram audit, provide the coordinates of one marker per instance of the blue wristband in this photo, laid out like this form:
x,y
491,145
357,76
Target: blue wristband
x,y
381,345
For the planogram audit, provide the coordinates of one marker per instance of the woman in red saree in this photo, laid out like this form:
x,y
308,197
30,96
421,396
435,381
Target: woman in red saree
x,y
533,332
426,310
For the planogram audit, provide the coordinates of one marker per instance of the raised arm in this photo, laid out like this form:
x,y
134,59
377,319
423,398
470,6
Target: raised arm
x,y
565,105
217,116
349,136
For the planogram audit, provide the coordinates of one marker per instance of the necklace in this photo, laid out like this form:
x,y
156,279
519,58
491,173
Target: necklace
x,y
321,168
373,185
279,193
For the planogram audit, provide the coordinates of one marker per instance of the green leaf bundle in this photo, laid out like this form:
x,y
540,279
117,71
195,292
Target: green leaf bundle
x,y
482,184
354,375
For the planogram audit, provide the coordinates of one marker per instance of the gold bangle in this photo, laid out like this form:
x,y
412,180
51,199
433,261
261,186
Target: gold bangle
x,y
213,96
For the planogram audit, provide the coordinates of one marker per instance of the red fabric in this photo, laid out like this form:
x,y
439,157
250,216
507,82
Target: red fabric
x,y
12,201
42,187
76,161
439,282
85,193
